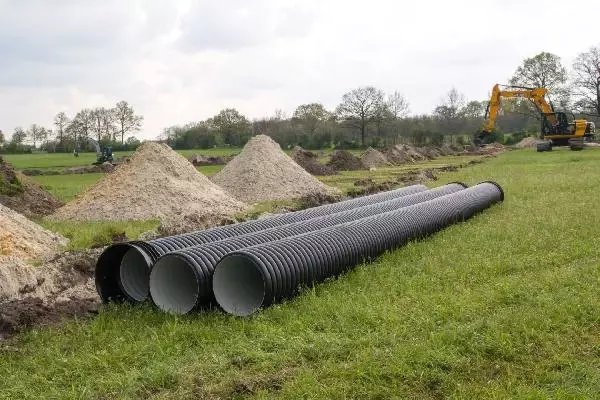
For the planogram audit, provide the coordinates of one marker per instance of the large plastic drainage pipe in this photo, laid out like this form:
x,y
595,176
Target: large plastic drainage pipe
x,y
246,280
182,280
114,283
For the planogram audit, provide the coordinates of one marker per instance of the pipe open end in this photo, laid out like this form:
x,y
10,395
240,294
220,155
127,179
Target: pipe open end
x,y
238,285
134,273
174,286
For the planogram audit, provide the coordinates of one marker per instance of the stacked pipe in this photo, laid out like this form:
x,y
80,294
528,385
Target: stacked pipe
x,y
246,280
137,257
182,280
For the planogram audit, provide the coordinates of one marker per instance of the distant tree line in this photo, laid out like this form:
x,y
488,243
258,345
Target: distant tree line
x,y
106,126
367,116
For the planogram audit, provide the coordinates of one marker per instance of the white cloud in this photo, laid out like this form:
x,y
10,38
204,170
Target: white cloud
x,y
184,60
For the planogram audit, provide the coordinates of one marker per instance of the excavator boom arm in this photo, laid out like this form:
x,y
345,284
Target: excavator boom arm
x,y
536,95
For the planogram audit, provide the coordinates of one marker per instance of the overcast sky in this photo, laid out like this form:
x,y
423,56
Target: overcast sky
x,y
180,61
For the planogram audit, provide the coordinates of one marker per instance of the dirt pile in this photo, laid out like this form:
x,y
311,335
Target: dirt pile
x,y
343,160
372,158
155,183
527,143
24,239
309,161
24,195
199,159
430,153
62,287
179,224
262,171
403,154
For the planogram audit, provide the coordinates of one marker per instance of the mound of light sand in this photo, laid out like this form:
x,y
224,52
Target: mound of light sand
x,y
372,158
262,171
24,239
155,183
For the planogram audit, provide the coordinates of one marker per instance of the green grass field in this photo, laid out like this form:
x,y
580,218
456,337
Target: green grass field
x,y
65,160
506,305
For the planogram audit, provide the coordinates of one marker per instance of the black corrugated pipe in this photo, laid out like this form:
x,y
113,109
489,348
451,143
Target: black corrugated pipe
x,y
182,280
255,277
114,283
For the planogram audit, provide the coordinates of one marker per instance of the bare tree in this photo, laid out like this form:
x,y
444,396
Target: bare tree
x,y
126,120
397,105
361,106
61,121
586,71
81,126
35,133
103,123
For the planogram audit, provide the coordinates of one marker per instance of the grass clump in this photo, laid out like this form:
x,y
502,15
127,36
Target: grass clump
x,y
86,234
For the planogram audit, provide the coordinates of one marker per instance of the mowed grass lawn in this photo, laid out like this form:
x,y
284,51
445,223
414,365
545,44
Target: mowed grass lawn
x,y
505,305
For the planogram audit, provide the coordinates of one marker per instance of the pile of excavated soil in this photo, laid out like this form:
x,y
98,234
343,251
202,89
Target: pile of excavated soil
x,y
199,159
24,195
24,239
309,161
431,153
155,183
184,223
62,287
262,171
342,160
372,158
403,154
527,142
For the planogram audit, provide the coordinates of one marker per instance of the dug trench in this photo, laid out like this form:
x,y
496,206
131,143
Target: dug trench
x,y
366,186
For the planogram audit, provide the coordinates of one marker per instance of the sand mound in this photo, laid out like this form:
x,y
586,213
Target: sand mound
x,y
24,195
308,160
22,238
155,183
527,142
372,158
403,154
262,171
343,160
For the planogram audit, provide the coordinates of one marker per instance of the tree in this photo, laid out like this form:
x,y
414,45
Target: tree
x,y
126,120
544,70
35,133
18,136
2,138
360,106
452,104
474,109
310,116
103,123
232,125
586,70
61,121
397,105
81,126
398,108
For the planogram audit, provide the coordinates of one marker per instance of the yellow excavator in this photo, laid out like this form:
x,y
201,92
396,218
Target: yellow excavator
x,y
559,128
